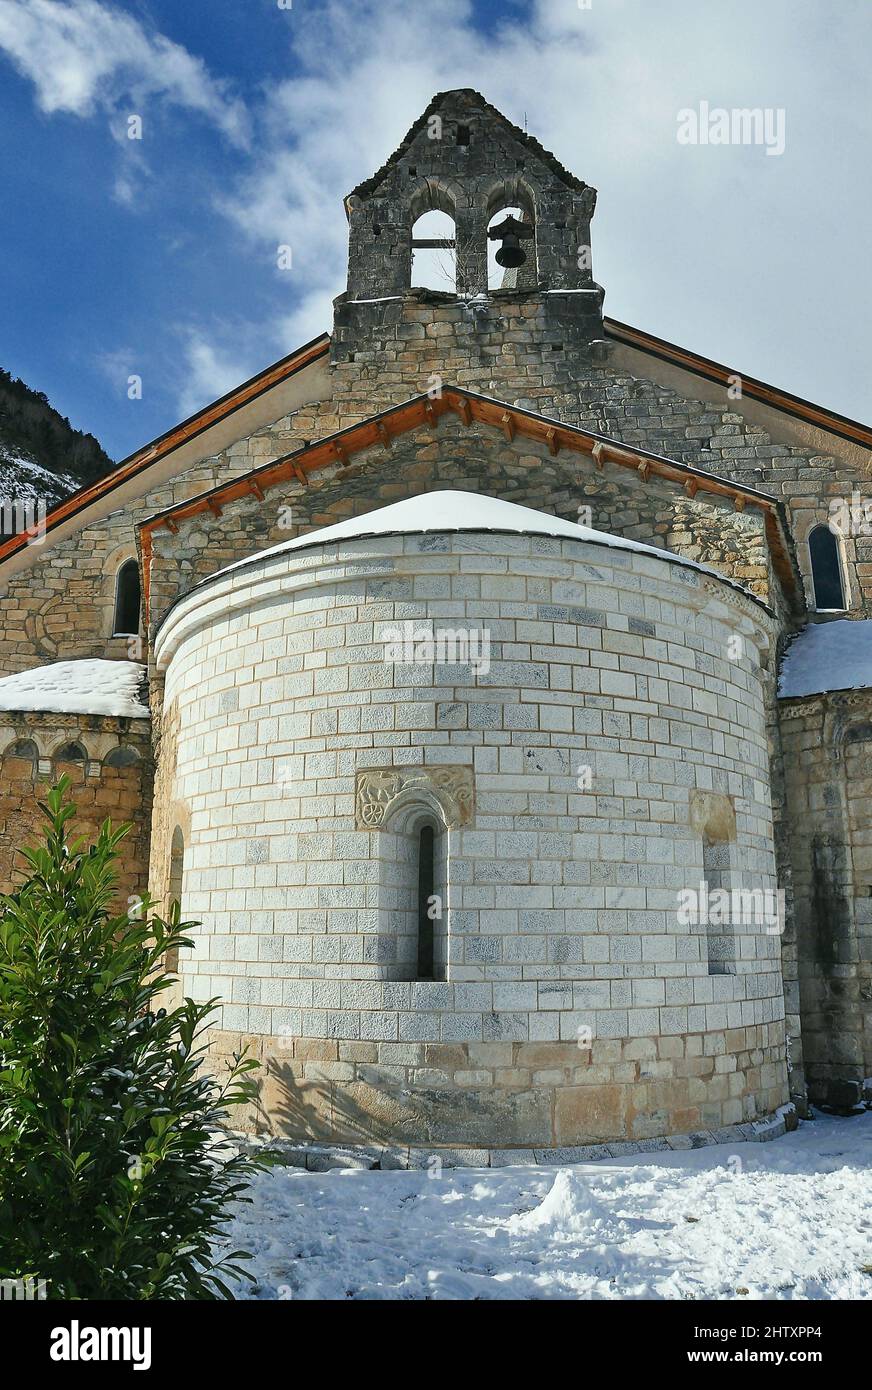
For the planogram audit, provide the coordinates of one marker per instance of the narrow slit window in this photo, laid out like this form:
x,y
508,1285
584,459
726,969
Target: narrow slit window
x,y
127,600
426,894
826,570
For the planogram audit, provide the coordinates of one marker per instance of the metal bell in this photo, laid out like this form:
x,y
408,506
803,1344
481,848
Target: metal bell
x,y
511,254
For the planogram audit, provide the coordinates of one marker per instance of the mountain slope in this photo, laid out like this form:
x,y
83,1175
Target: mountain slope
x,y
42,458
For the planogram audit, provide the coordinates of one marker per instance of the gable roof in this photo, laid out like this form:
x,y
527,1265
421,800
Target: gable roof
x,y
474,98
807,411
835,655
159,448
337,449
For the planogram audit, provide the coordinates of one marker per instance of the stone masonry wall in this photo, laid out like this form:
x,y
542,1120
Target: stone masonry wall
x,y
61,607
827,742
706,529
100,790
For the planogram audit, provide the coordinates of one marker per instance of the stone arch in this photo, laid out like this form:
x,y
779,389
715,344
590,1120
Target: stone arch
x,y
125,755
22,748
434,202
514,192
70,750
434,267
514,198
20,763
805,526
415,804
70,757
434,195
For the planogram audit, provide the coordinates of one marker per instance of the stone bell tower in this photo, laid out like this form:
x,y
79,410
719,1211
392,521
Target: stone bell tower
x,y
464,159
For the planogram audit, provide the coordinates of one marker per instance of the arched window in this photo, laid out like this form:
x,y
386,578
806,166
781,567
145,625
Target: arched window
x,y
71,753
23,748
511,248
434,253
122,756
413,897
826,570
427,839
72,761
127,600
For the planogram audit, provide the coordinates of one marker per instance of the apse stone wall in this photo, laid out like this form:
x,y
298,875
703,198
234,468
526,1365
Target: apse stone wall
x,y
577,1007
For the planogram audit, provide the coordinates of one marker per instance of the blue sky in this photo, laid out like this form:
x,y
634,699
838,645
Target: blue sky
x,y
157,257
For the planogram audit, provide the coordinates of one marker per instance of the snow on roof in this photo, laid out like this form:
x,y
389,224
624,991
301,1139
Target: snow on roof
x,y
451,510
835,655
78,687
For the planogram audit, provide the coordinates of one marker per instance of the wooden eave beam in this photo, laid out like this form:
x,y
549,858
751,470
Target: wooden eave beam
x,y
512,424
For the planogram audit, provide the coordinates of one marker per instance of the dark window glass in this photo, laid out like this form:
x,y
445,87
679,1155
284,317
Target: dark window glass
x,y
425,893
825,570
127,600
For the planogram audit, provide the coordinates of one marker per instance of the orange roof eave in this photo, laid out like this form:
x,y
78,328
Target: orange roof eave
x,y
335,451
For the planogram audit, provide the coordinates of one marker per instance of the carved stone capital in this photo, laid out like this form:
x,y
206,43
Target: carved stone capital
x,y
379,792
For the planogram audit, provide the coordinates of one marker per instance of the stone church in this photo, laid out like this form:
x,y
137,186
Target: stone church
x,y
492,683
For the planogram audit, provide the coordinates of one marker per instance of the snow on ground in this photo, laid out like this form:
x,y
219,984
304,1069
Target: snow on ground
x,y
78,687
828,656
790,1219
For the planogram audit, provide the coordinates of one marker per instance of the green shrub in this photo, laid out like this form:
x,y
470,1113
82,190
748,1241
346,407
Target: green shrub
x,y
112,1181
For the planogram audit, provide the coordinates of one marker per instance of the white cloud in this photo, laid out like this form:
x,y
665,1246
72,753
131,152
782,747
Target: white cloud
x,y
210,371
83,56
742,257
720,248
